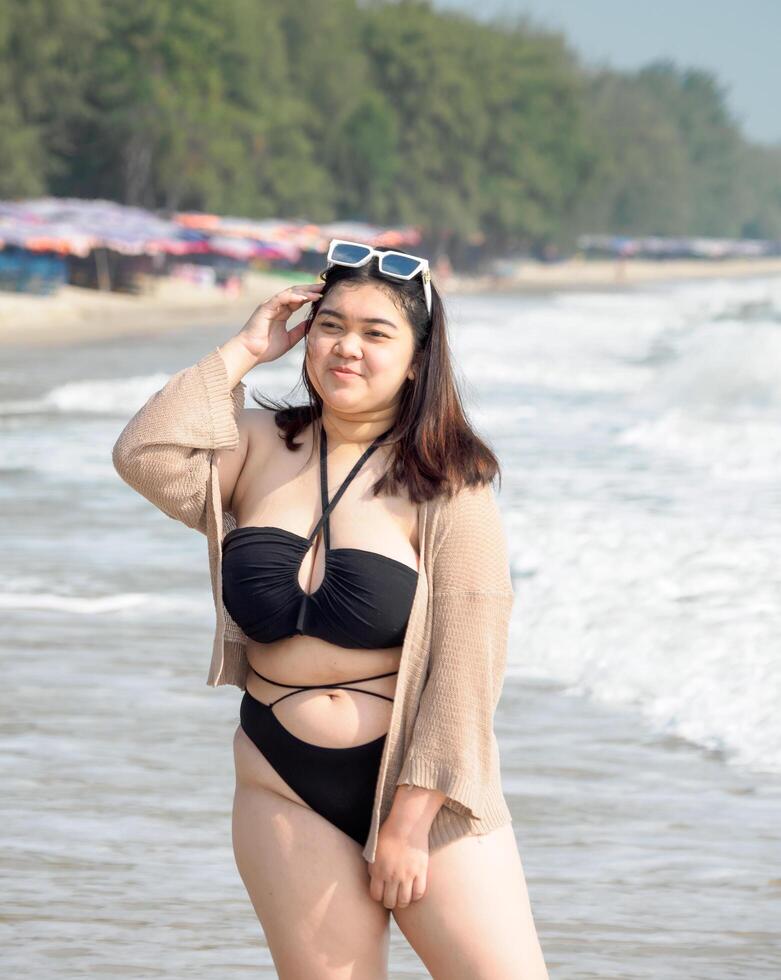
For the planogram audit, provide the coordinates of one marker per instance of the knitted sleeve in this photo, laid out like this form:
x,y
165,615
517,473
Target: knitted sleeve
x,y
452,746
164,452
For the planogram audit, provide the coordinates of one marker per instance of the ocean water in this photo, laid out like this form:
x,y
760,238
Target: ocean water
x,y
638,433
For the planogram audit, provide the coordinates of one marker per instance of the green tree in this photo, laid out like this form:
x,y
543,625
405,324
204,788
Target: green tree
x,y
45,51
387,112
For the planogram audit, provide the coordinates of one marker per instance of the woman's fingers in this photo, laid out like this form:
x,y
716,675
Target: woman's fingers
x,y
265,334
290,299
419,885
307,290
296,333
389,894
404,896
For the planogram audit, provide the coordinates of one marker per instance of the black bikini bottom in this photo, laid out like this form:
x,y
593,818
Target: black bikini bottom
x,y
338,783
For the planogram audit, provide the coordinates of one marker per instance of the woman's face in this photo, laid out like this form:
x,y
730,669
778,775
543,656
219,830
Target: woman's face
x,y
359,328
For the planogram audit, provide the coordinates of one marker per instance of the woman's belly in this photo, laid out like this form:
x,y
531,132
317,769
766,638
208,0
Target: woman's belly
x,y
333,717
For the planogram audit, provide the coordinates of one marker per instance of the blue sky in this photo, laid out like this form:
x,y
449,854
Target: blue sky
x,y
740,42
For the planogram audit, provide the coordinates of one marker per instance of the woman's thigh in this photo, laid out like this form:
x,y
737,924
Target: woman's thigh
x,y
308,883
474,921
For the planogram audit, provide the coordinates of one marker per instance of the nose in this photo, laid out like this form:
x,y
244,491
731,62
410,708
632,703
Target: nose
x,y
348,346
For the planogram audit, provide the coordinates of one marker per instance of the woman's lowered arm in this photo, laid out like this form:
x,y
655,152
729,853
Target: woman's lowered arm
x,y
452,749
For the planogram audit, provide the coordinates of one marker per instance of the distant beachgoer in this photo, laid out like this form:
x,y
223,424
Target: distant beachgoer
x,y
442,268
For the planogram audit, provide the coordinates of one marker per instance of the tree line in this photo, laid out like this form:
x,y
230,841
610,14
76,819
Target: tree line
x,y
484,134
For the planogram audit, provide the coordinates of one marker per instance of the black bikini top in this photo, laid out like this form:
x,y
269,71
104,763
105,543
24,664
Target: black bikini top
x,y
364,600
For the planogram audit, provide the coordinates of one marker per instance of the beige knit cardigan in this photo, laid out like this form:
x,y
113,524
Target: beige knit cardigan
x,y
454,652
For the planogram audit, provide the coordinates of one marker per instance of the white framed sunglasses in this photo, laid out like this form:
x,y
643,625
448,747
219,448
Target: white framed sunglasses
x,y
396,265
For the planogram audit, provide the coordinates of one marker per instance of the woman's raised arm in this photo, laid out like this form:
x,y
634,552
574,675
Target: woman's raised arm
x,y
164,452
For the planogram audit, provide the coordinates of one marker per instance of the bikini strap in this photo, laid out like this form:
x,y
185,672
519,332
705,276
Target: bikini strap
x,y
345,686
290,694
353,680
325,505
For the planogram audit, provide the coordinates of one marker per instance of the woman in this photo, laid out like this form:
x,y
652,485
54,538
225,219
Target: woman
x,y
363,596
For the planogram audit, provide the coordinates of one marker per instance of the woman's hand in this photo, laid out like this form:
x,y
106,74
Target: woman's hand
x,y
400,867
265,334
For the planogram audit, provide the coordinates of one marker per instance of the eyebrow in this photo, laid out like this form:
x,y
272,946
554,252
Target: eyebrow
x,y
366,319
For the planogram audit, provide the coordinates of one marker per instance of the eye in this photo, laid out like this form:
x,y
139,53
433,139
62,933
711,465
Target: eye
x,y
373,333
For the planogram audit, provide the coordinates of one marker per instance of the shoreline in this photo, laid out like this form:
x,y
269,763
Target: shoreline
x,y
76,315
607,275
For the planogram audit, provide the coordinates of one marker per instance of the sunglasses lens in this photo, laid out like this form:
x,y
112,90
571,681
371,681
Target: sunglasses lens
x,y
395,264
349,253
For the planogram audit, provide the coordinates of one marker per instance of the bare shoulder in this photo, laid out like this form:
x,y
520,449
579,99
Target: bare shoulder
x,y
262,428
258,434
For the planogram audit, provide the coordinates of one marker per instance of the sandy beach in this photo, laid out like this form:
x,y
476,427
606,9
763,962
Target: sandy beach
x,y
74,314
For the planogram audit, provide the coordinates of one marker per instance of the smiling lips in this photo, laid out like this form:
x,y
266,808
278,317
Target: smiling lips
x,y
344,372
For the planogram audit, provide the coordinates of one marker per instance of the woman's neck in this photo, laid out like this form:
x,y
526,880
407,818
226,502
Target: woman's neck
x,y
358,429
